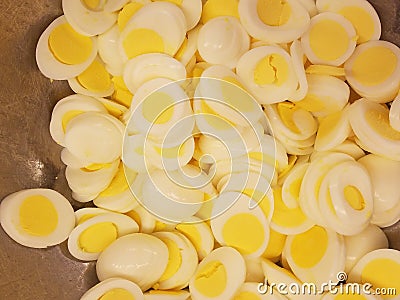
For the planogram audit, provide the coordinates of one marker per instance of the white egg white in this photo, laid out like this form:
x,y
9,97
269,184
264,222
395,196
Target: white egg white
x,y
108,51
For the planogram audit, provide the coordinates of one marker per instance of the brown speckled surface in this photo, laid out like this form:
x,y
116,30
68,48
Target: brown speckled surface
x,y
29,158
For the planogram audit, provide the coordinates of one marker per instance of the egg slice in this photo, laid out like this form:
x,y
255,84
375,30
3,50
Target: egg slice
x,y
87,18
310,6
373,71
182,261
347,147
383,173
63,53
219,275
143,218
114,288
380,268
191,9
108,51
316,255
394,113
166,295
223,40
240,223
371,125
351,291
297,54
268,74
187,51
93,236
86,213
360,13
330,39
114,109
148,66
291,183
128,11
142,35
274,21
326,70
37,218
134,154
68,108
218,8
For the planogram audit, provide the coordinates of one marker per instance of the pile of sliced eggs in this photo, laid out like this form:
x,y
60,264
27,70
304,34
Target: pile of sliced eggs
x,y
312,163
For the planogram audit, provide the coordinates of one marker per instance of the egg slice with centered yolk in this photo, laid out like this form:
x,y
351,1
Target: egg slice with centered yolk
x,y
68,108
87,18
316,255
223,40
138,257
114,288
192,10
373,71
182,261
268,74
219,275
167,295
380,268
108,51
360,13
330,39
218,8
237,225
371,125
143,218
63,53
37,218
91,237
273,20
142,35
345,198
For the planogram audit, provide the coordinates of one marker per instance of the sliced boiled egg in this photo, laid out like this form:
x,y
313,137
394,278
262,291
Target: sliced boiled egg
x,y
219,275
142,35
291,183
380,268
63,53
114,108
275,246
167,295
268,74
218,8
37,218
348,147
182,261
128,11
371,125
86,213
297,55
359,12
274,21
316,255
330,39
121,95
187,51
114,288
394,113
145,220
373,71
91,237
223,40
191,9
326,70
240,223
108,51
138,257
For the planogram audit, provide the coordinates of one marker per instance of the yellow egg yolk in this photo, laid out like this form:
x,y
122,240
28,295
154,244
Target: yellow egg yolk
x,y
260,198
38,216
351,296
275,244
244,232
174,259
328,40
246,296
113,109
284,216
213,118
361,20
136,217
286,111
97,237
309,248
374,65
142,41
158,108
68,46
68,116
379,121
127,13
291,163
217,8
328,125
325,70
117,294
234,94
192,233
160,226
211,280
176,2
274,12
118,185
354,197
95,78
272,69
93,4
182,49
313,103
382,273
85,218
121,95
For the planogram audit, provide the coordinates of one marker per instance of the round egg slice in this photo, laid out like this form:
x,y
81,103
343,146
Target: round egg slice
x,y
218,8
63,53
145,220
268,74
93,236
371,125
274,21
108,51
95,81
379,268
223,40
351,291
142,35
114,288
316,255
359,12
149,66
86,213
394,113
68,108
166,295
330,39
241,225
37,218
182,261
87,18
191,9
138,257
373,71
219,275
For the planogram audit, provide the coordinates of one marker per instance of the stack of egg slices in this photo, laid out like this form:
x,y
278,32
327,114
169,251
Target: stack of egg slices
x,y
292,187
